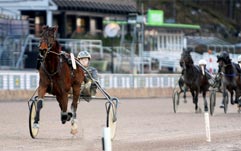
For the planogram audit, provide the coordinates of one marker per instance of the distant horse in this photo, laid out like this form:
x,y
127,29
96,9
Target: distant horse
x,y
57,77
194,78
230,79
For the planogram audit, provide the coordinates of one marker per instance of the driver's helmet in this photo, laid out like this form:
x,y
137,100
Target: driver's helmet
x,y
84,54
239,59
224,55
202,62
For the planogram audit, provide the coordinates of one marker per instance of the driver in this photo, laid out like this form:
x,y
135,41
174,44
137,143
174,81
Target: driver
x,y
203,63
88,87
224,57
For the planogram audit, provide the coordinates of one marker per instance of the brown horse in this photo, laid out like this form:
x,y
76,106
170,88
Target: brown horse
x,y
57,77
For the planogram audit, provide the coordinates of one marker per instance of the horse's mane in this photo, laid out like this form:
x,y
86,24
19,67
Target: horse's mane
x,y
56,46
227,61
229,68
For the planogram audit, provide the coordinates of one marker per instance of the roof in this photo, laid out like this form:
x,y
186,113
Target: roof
x,y
103,6
181,26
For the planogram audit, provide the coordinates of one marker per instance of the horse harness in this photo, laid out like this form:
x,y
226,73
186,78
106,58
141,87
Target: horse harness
x,y
62,56
232,74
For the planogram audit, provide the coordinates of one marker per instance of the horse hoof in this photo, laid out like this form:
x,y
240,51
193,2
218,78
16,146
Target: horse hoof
x,y
74,127
70,115
66,117
199,110
63,119
35,126
221,106
74,131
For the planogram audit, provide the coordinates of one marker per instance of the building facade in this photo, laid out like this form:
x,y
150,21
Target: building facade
x,y
72,16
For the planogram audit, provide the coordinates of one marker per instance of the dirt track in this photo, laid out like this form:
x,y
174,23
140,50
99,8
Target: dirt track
x,y
143,125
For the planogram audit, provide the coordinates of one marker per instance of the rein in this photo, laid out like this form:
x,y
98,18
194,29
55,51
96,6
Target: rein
x,y
44,68
50,75
230,75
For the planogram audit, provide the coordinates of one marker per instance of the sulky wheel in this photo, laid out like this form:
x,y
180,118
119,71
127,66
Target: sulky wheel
x,y
111,117
225,102
212,101
33,129
175,99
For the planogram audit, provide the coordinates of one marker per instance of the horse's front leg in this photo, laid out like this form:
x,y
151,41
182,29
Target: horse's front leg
x,y
39,104
224,92
74,105
197,109
205,102
195,99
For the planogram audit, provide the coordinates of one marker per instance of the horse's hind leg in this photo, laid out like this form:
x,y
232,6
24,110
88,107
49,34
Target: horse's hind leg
x,y
74,125
74,105
231,97
63,103
184,95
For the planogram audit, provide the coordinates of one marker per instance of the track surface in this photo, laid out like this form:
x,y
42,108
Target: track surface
x,y
143,125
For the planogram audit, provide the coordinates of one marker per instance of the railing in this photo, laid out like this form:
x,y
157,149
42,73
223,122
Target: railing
x,y
165,58
123,60
122,56
23,48
28,80
74,45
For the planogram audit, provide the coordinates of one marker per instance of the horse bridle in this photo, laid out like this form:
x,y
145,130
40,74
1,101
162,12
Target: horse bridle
x,y
46,41
47,51
184,64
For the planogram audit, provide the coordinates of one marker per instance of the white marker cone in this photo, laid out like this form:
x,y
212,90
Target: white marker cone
x,y
107,139
207,126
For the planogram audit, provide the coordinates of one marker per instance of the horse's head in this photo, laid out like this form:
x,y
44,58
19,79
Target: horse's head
x,y
224,61
186,59
47,39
